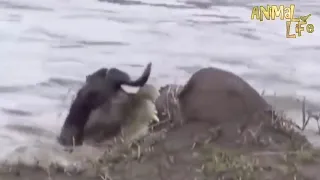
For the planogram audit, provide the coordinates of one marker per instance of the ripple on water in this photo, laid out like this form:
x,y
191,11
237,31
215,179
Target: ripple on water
x,y
31,130
16,112
64,41
20,6
141,3
84,43
63,82
11,89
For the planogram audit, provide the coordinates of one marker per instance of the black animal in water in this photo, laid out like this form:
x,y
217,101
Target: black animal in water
x,y
99,89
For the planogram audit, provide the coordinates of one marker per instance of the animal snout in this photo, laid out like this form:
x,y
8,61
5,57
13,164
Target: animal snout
x,y
70,137
62,140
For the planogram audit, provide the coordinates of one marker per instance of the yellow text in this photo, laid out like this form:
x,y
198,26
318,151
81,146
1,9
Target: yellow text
x,y
271,12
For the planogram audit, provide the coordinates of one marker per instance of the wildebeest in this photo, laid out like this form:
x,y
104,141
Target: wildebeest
x,y
99,90
129,116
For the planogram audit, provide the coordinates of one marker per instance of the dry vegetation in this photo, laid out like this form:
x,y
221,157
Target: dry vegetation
x,y
195,152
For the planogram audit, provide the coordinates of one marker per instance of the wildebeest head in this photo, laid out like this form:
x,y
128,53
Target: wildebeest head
x,y
100,87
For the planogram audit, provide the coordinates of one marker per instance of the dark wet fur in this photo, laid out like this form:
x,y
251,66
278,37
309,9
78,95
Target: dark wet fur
x,y
99,89
106,121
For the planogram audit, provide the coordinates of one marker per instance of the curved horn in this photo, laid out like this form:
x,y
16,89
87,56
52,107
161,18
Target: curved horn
x,y
120,77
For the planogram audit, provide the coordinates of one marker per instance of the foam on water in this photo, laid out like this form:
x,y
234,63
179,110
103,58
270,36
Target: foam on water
x,y
49,46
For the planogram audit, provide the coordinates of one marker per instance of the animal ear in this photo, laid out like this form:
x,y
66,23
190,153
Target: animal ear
x,y
120,77
101,73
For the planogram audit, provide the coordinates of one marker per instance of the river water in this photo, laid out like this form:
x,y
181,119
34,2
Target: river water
x,y
48,46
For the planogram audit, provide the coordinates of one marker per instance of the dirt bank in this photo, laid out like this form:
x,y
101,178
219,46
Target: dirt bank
x,y
194,151
208,162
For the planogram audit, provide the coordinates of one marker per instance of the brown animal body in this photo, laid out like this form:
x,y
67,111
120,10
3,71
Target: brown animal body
x,y
215,95
212,98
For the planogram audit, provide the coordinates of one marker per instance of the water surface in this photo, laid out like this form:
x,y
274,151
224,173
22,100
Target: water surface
x,y
47,48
